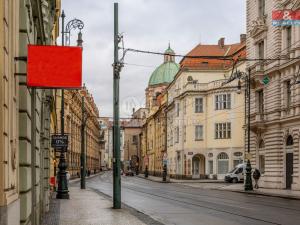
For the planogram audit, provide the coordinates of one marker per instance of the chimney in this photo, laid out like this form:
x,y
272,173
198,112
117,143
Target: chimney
x,y
221,42
133,110
243,38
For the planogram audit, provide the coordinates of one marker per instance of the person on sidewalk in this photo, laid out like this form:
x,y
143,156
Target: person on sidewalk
x,y
256,176
68,177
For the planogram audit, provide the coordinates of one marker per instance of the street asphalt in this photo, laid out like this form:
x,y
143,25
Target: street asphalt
x,y
171,203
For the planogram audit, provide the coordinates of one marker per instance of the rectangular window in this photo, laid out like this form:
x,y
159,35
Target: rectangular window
x,y
260,98
210,167
177,134
262,164
288,93
223,101
184,133
261,8
184,106
198,105
177,109
236,162
222,130
288,37
171,138
261,50
134,139
198,132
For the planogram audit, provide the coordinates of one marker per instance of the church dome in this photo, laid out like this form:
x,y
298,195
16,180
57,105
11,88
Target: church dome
x,y
166,72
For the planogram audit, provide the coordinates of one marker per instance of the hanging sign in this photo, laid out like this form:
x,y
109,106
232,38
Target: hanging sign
x,y
54,66
59,141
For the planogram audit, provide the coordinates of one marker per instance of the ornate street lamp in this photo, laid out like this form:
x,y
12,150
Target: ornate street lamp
x,y
62,189
246,78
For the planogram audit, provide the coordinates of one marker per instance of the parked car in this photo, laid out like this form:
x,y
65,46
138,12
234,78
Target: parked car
x,y
236,175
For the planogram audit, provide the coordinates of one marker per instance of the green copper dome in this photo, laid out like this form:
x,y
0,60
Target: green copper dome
x,y
166,72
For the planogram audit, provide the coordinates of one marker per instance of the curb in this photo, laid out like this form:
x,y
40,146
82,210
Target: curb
x,y
145,218
179,182
157,181
78,179
238,191
260,193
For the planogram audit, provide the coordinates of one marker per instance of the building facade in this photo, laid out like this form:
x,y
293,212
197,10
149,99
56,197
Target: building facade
x,y
275,92
73,121
132,140
156,132
24,112
205,117
153,137
107,124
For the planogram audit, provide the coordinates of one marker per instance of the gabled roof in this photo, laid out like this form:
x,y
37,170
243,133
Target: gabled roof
x,y
233,50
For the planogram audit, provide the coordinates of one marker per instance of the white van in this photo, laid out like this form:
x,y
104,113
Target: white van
x,y
236,175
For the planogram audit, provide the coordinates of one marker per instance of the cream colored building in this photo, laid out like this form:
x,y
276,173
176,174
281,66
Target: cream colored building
x,y
73,121
155,131
153,137
107,124
132,140
205,135
275,110
24,112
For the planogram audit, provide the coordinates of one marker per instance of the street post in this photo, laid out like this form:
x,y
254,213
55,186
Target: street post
x,y
82,156
62,189
116,123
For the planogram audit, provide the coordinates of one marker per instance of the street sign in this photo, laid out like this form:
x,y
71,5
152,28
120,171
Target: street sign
x,y
266,80
190,153
59,141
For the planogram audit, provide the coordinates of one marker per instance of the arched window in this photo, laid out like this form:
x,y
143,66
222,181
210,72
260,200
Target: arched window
x,y
223,161
289,141
223,155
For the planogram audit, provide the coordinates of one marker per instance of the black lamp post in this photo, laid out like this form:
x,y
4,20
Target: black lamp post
x,y
62,189
246,77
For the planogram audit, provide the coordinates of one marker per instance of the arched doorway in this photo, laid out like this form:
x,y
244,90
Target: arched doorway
x,y
198,163
289,162
223,163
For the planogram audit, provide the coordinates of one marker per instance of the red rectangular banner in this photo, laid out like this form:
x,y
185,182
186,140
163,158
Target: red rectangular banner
x,y
54,66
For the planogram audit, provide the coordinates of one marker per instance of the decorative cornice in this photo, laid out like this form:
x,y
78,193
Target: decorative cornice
x,y
258,26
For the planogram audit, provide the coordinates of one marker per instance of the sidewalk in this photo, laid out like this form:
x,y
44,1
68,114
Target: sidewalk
x,y
221,185
282,193
86,207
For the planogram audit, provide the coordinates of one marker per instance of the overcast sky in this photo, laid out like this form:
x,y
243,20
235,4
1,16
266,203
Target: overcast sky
x,y
147,25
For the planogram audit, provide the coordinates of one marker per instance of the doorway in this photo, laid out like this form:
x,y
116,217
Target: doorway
x,y
289,162
198,163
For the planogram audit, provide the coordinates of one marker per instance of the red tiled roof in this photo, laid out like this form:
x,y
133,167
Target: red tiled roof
x,y
233,50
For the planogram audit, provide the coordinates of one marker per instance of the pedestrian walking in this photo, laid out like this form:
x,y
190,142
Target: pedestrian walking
x,y
68,177
256,176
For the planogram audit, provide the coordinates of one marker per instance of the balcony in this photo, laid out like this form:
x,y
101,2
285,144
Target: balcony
x,y
257,122
192,86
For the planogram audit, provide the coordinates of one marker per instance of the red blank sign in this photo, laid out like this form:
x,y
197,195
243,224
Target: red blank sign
x,y
54,66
